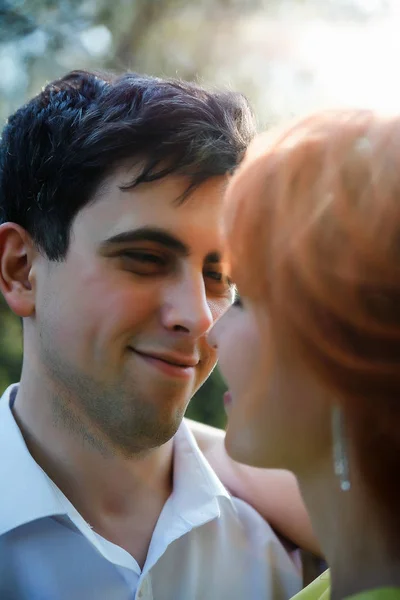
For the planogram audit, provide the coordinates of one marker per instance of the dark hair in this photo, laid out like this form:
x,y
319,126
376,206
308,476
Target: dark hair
x,y
58,148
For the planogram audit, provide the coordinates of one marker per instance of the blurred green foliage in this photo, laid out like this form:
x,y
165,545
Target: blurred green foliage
x,y
207,406
10,346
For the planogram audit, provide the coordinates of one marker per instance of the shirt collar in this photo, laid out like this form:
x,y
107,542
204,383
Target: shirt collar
x,y
196,491
196,498
27,493
196,485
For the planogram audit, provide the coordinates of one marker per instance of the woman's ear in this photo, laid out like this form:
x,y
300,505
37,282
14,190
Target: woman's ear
x,y
16,273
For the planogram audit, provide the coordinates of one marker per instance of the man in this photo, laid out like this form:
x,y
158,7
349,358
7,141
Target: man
x,y
111,253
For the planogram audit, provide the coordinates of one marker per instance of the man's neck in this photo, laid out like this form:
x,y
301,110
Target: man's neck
x,y
121,498
351,534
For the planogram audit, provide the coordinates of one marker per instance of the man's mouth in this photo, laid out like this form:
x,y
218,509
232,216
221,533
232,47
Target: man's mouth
x,y
171,364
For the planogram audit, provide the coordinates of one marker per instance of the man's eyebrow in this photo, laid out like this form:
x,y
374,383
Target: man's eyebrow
x,y
147,234
212,258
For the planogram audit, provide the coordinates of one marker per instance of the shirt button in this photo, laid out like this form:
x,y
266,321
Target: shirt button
x,y
143,589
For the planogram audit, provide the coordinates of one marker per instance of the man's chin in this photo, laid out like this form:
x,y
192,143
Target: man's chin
x,y
150,435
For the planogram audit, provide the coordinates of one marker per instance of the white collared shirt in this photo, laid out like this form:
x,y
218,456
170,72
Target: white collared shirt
x,y
206,545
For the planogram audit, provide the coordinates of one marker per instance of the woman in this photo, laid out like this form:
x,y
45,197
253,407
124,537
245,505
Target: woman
x,y
311,350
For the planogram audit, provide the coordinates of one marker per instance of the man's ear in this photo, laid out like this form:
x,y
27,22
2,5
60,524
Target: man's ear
x,y
16,273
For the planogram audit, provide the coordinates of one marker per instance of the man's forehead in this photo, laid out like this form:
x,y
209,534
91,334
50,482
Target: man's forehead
x,y
196,222
172,187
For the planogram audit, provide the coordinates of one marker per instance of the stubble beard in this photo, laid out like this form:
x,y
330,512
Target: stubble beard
x,y
117,419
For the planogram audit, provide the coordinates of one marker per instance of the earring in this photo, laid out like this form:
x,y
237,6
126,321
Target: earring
x,y
340,459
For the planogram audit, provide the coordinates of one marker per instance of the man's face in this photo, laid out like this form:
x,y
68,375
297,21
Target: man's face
x,y
121,323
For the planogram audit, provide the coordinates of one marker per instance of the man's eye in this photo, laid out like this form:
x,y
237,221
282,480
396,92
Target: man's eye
x,y
144,263
214,275
145,257
219,282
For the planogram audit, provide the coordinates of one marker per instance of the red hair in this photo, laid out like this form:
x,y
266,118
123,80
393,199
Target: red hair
x,y
313,219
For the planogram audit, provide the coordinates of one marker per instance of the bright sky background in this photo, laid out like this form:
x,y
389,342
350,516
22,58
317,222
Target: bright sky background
x,y
321,63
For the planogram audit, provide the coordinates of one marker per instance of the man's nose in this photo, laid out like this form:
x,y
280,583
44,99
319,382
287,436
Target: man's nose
x,y
186,307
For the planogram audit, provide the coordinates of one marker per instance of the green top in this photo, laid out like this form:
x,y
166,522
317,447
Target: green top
x,y
317,590
320,590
